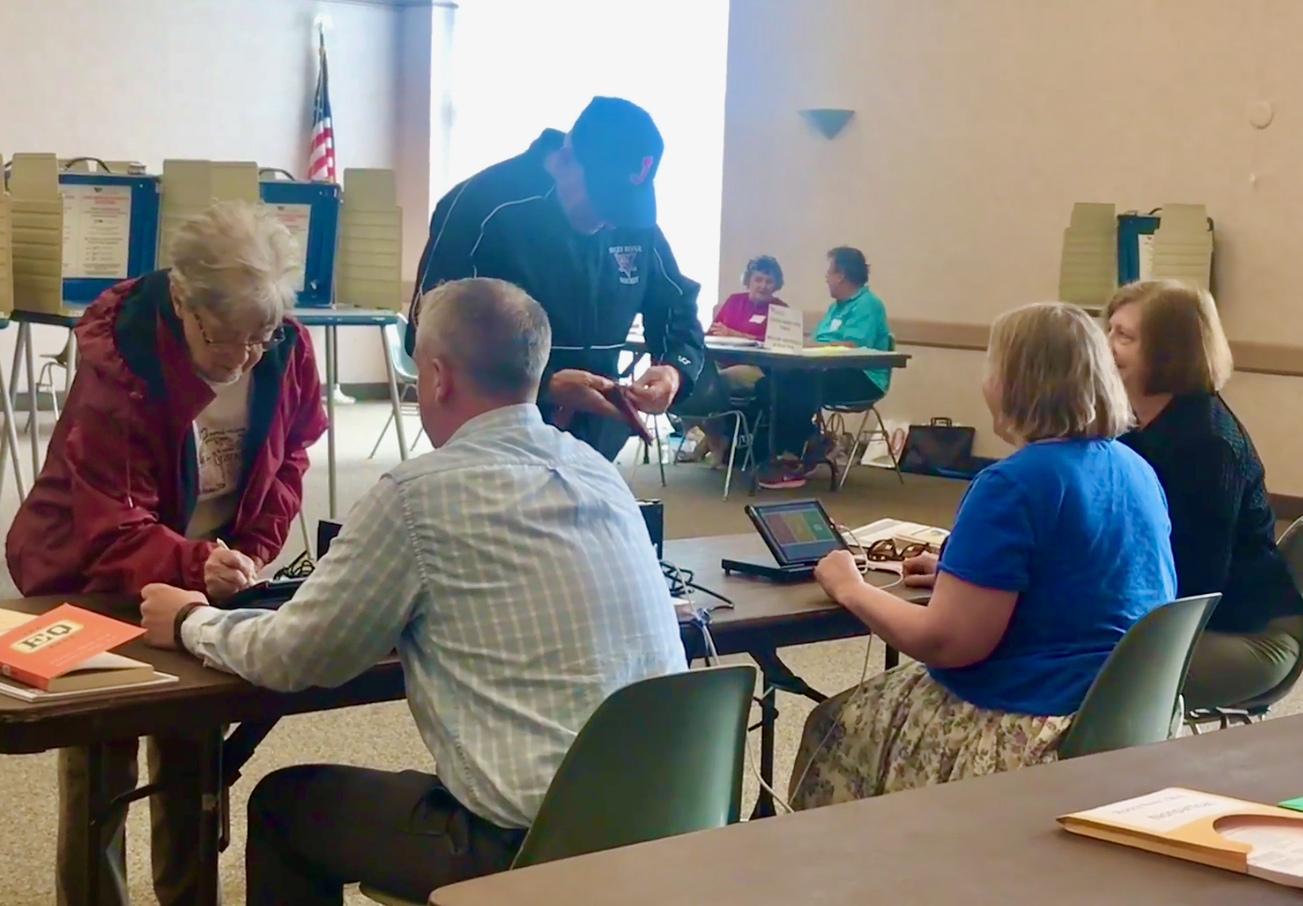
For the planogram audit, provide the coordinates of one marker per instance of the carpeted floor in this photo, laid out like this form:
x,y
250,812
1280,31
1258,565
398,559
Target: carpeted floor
x,y
383,736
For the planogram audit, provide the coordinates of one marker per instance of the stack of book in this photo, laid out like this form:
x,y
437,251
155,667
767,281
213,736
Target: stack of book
x,y
66,652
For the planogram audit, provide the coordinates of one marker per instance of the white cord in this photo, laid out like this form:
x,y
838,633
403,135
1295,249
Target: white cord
x,y
864,674
755,762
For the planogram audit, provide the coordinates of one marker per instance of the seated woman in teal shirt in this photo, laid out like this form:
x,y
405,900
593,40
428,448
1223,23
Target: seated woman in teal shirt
x,y
856,318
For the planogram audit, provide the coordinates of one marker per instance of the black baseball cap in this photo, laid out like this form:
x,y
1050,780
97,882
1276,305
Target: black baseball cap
x,y
620,148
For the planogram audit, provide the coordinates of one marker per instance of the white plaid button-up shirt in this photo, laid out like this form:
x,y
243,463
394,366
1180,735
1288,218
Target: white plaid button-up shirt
x,y
512,572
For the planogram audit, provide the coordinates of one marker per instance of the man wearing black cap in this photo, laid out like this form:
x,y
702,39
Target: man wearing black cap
x,y
572,221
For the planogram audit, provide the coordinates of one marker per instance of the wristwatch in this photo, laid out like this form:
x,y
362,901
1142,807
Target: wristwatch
x,y
181,616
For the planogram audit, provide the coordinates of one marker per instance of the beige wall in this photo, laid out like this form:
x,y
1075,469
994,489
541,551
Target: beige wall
x,y
219,79
979,122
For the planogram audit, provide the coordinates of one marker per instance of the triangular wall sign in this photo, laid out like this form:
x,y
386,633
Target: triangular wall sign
x,y
828,121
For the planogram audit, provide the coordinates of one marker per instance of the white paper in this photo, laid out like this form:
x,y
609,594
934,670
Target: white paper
x,y
1165,810
1146,257
785,330
758,319
96,231
298,218
14,689
1277,853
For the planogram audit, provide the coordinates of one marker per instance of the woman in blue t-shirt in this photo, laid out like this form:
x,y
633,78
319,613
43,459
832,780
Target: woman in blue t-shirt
x,y
1056,551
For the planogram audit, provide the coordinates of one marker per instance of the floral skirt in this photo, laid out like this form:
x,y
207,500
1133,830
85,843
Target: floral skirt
x,y
901,730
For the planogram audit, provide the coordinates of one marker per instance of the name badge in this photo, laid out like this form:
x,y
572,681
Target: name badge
x,y
758,319
835,324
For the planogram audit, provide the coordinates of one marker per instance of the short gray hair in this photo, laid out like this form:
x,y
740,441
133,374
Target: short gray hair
x,y
235,258
494,332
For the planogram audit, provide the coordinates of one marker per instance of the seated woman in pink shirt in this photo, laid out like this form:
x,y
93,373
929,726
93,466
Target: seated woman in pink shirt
x,y
744,315
747,314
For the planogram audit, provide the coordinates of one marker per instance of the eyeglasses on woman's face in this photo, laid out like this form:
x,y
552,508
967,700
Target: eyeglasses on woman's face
x,y
217,341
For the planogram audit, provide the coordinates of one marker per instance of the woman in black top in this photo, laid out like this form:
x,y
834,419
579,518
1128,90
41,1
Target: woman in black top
x,y
1169,346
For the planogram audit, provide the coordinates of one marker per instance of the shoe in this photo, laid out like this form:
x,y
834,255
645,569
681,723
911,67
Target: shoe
x,y
777,479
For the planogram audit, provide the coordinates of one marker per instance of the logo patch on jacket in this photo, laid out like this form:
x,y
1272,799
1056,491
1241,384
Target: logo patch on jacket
x,y
626,259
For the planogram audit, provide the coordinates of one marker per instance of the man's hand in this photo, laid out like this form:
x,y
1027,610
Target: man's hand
x,y
228,571
920,571
581,391
158,608
837,573
655,390
719,330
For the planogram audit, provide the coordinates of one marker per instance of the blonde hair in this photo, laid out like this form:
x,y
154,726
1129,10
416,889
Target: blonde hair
x,y
1182,343
1056,375
235,259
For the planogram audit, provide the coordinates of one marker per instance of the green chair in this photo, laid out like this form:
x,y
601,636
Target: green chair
x,y
1136,696
661,757
1291,547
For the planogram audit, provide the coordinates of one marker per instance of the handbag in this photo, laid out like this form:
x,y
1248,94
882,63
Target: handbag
x,y
938,448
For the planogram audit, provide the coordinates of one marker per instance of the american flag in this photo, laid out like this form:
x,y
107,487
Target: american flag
x,y
321,151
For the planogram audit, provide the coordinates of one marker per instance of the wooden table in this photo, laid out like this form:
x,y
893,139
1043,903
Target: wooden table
x,y
993,840
766,616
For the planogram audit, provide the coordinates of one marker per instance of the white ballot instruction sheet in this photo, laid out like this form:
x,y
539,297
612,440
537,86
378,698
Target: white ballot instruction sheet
x,y
96,231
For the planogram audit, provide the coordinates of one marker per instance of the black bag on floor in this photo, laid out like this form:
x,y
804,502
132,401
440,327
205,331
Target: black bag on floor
x,y
938,448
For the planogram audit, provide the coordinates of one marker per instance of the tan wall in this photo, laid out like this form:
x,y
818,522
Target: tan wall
x,y
219,79
978,124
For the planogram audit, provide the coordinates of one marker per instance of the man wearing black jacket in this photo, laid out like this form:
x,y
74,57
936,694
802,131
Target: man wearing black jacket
x,y
573,222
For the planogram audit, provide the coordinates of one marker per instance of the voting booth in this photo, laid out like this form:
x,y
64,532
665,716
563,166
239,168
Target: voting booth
x,y
75,232
1173,242
311,212
1103,250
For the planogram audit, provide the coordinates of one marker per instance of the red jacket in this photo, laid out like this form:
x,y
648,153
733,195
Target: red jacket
x,y
110,508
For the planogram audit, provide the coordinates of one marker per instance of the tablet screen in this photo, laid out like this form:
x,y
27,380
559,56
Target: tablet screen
x,y
800,530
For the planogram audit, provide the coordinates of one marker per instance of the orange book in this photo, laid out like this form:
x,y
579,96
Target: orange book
x,y
1246,837
40,650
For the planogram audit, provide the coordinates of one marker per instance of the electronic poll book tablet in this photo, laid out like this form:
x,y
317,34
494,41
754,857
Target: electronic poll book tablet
x,y
797,532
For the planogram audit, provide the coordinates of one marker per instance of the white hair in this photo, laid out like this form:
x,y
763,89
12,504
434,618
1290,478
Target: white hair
x,y
235,260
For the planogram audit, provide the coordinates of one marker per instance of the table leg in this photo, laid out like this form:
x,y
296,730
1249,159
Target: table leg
x,y
777,676
394,398
773,416
890,658
330,413
9,442
32,402
71,370
19,343
773,435
97,812
210,820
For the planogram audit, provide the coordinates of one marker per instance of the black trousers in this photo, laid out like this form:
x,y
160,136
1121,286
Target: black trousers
x,y
800,394
315,828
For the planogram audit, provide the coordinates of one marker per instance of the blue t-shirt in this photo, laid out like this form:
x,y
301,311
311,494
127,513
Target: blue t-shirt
x,y
1079,529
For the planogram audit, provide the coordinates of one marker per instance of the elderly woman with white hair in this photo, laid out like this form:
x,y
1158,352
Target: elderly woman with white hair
x,y
178,458
1056,551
